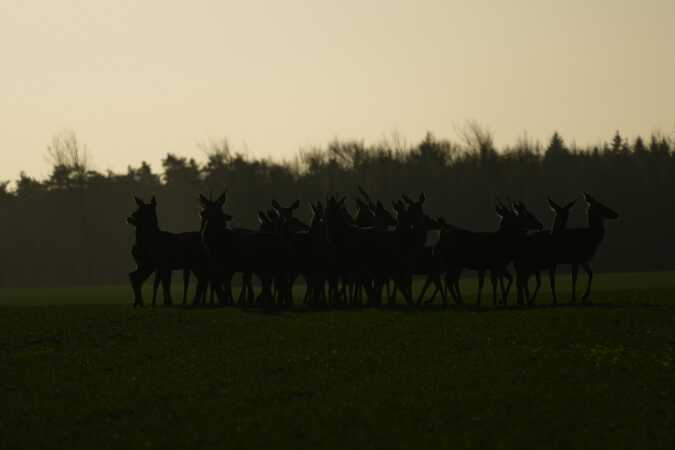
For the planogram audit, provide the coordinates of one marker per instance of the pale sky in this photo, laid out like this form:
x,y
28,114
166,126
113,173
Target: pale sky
x,y
136,79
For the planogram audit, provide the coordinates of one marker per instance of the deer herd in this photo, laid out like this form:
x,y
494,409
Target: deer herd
x,y
366,258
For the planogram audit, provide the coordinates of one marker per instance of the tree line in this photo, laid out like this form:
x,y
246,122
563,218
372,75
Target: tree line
x,y
68,229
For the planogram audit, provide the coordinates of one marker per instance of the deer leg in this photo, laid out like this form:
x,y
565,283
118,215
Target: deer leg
x,y
394,293
493,282
306,299
226,286
250,292
589,272
551,279
243,299
202,285
454,278
186,284
406,288
438,288
166,288
481,279
452,285
537,279
424,289
575,272
519,286
218,290
359,292
458,292
155,287
505,294
137,277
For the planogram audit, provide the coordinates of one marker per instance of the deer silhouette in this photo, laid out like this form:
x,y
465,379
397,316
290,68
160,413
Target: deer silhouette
x,y
232,250
577,246
485,251
160,251
318,253
296,234
539,251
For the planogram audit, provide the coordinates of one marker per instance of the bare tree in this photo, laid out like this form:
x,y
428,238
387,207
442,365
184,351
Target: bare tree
x,y
65,150
476,138
70,167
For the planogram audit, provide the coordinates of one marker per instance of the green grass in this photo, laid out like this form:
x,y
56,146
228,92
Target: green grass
x,y
81,369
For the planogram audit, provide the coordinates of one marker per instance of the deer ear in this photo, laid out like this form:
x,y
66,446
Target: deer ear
x,y
203,200
553,205
422,198
153,201
222,198
139,202
261,217
276,204
407,199
295,205
588,198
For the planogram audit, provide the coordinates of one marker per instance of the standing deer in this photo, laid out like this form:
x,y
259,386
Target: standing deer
x,y
229,251
161,251
486,251
539,252
578,246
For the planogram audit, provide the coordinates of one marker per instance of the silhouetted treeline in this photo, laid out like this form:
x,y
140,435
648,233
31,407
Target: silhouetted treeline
x,y
69,229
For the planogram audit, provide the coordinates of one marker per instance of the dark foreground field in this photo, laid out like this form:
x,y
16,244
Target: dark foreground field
x,y
81,369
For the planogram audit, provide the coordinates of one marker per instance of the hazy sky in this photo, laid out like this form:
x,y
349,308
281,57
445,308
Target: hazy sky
x,y
136,79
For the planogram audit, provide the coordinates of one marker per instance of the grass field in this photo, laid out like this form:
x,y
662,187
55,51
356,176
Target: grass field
x,y
81,369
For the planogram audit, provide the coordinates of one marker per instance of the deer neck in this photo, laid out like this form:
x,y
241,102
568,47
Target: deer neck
x,y
596,223
146,233
559,224
510,229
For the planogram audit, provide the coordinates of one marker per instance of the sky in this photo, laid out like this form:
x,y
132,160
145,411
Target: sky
x,y
138,79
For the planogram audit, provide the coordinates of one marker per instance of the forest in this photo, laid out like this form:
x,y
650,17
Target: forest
x,y
69,229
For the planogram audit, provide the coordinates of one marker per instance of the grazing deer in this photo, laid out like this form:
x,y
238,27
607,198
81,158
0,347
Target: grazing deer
x,y
160,251
578,246
483,251
539,252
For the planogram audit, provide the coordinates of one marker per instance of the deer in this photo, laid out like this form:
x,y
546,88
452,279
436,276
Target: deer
x,y
578,246
539,252
160,251
485,251
319,254
396,253
372,216
262,253
296,233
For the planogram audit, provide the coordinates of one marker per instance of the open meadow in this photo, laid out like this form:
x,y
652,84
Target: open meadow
x,y
81,369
